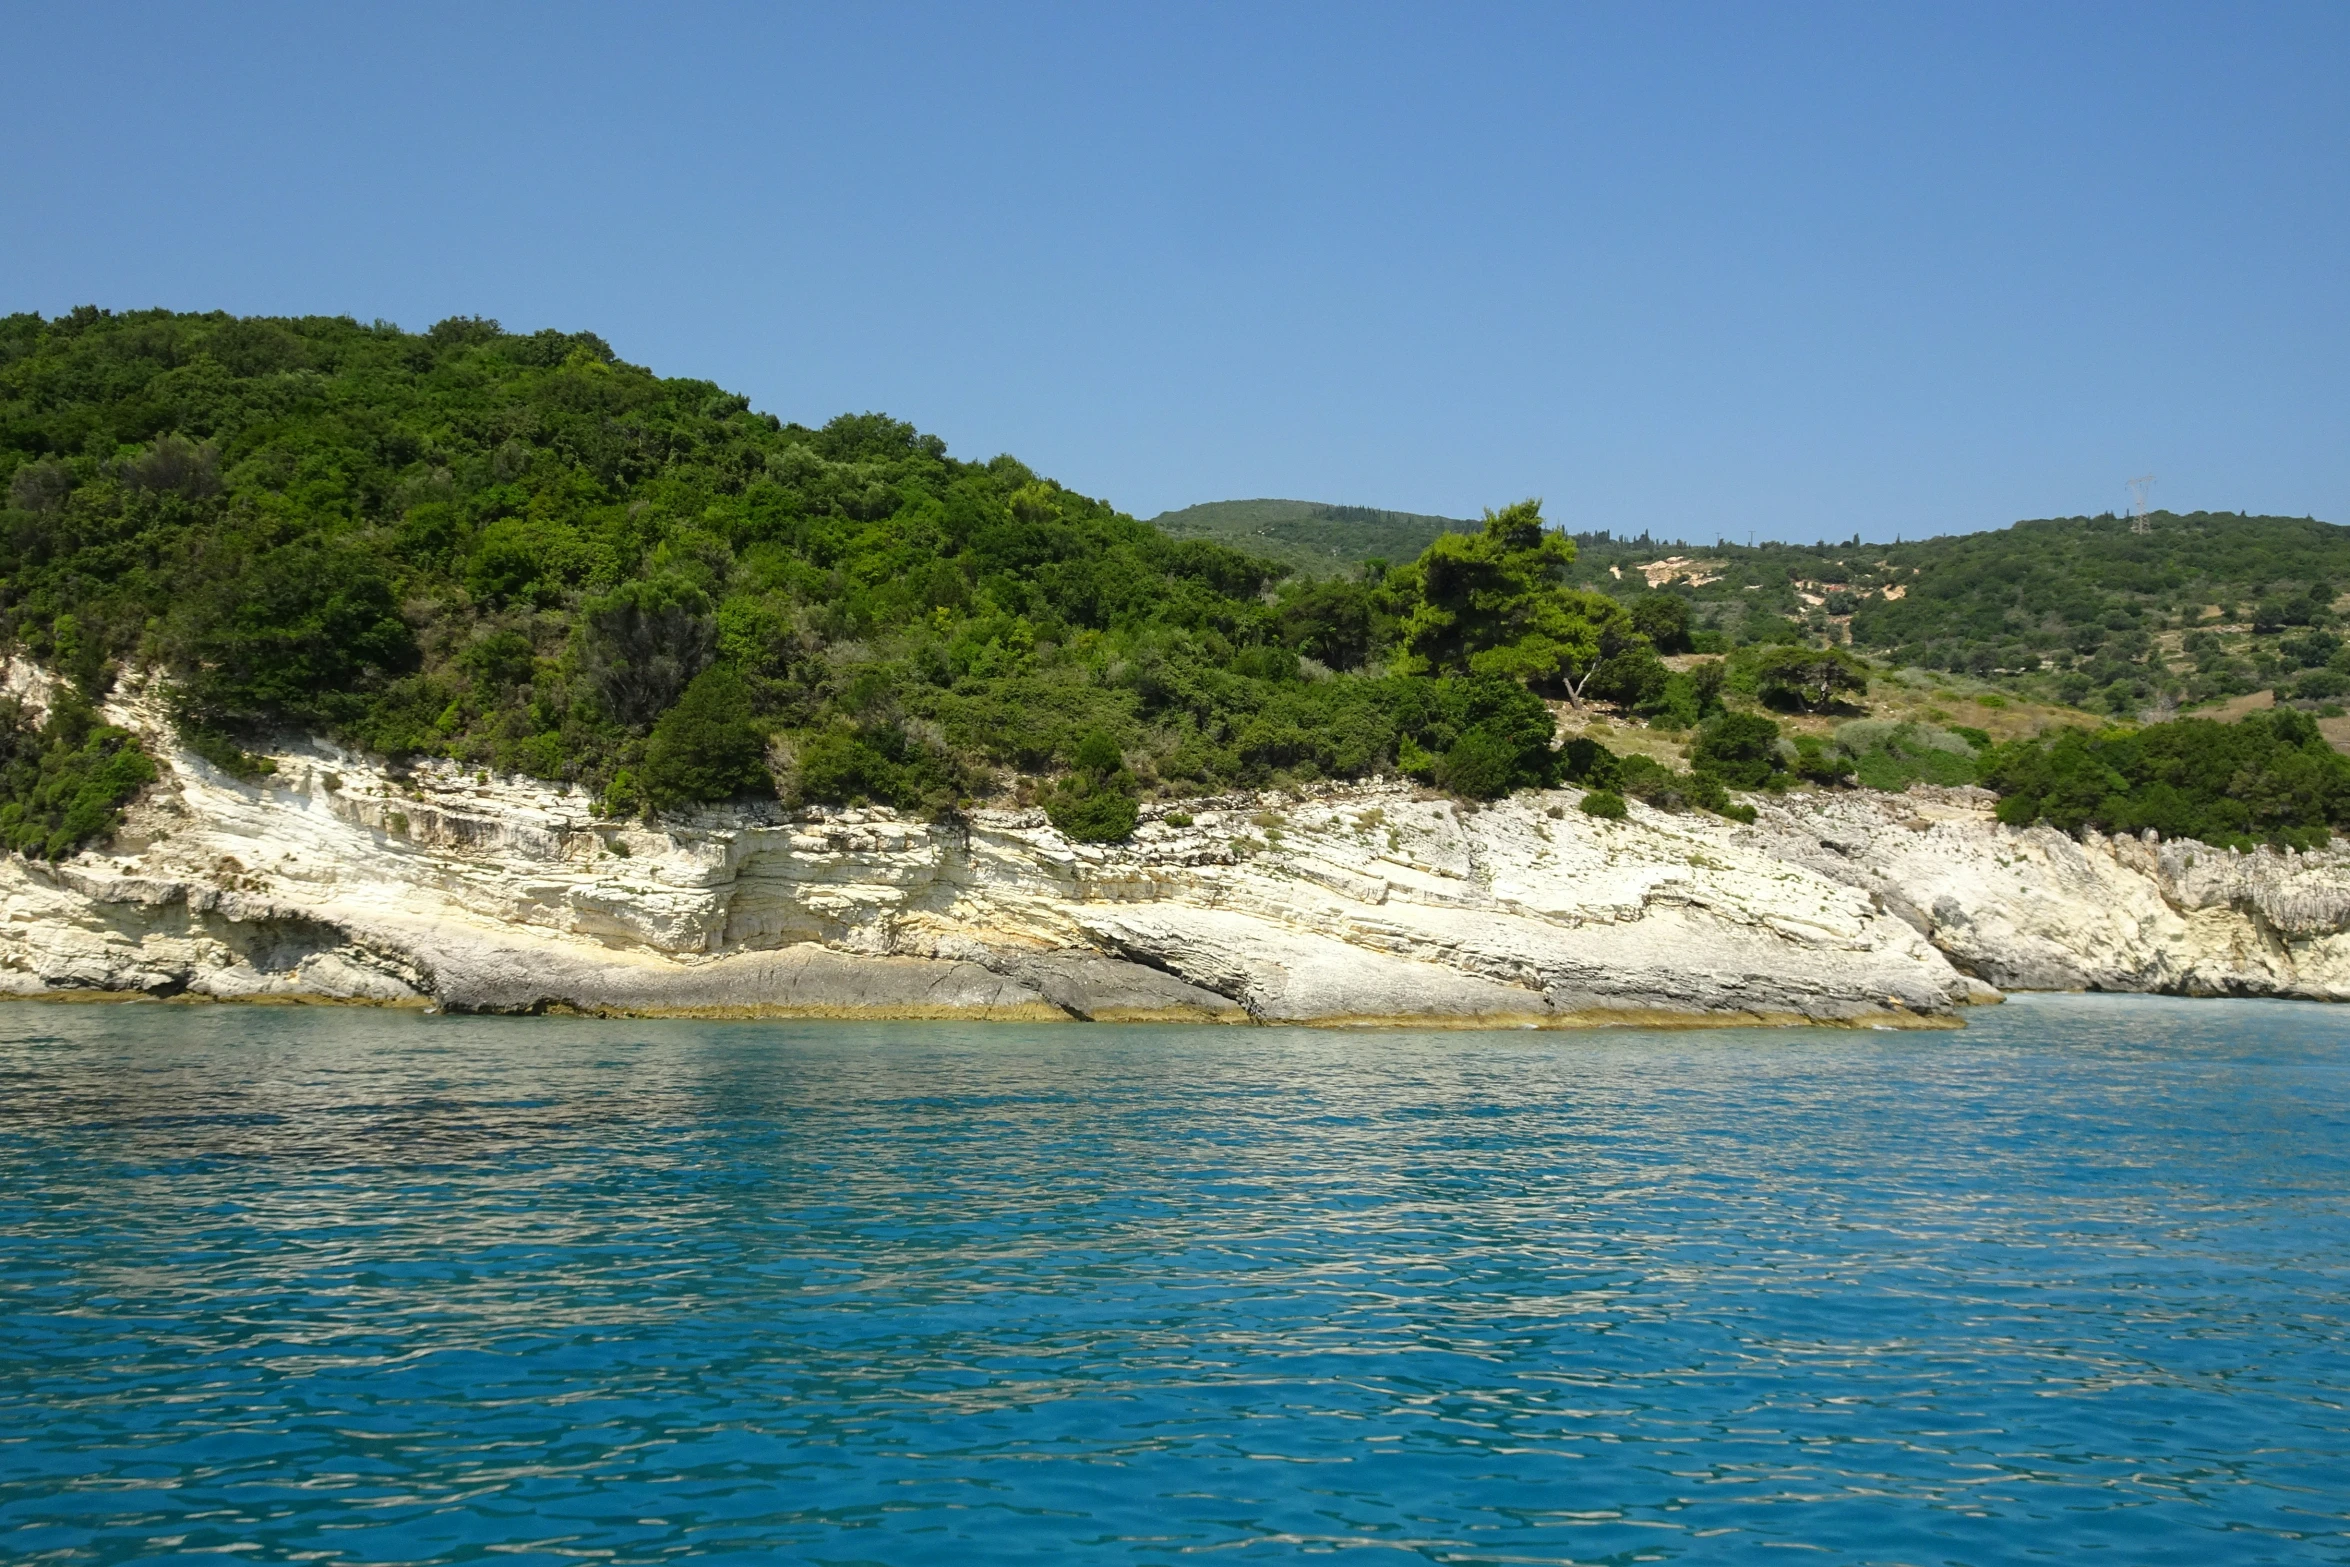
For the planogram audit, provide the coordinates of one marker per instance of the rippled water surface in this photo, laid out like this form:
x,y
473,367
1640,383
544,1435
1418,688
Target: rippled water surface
x,y
362,1287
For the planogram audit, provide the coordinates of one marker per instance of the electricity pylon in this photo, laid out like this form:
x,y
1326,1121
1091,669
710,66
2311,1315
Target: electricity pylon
x,y
2138,488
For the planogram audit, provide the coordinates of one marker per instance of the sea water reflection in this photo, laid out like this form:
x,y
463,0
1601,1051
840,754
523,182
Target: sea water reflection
x,y
366,1287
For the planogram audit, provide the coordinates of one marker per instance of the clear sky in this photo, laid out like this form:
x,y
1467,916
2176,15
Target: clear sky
x,y
1799,270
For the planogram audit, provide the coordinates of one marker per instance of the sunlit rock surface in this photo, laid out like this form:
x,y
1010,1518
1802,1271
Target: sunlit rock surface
x,y
335,879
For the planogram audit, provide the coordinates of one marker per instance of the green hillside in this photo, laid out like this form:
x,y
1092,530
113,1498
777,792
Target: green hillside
x,y
2082,610
516,551
1312,537
2078,610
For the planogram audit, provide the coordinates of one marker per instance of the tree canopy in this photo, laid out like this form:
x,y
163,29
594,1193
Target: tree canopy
x,y
1496,602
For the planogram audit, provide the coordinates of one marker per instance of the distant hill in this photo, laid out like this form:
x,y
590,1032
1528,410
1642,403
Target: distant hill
x,y
1314,537
2084,610
2201,607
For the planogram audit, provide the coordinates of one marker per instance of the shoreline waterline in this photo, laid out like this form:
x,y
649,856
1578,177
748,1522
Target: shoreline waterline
x,y
1573,1022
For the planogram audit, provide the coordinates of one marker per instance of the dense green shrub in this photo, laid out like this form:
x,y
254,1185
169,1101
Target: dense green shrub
x,y
1741,749
707,746
1689,697
1097,802
63,783
2270,777
1479,737
1821,761
1645,778
1892,756
1584,761
1606,804
1092,814
874,764
1480,766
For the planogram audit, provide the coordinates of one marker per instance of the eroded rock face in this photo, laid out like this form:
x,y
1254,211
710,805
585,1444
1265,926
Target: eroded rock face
x,y
338,880
2034,909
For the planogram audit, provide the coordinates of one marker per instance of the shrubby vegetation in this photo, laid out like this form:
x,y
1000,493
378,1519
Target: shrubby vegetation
x,y
519,552
2087,611
63,782
707,746
1096,803
1310,537
2269,778
1585,761
2082,610
1884,755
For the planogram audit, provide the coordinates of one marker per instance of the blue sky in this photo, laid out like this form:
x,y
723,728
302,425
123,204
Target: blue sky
x,y
1801,270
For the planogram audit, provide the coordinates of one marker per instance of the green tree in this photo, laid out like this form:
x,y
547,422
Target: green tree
x,y
1663,618
1497,602
1634,677
642,642
1331,620
1812,678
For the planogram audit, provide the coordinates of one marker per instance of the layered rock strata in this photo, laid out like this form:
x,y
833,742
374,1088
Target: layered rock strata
x,y
2035,909
336,879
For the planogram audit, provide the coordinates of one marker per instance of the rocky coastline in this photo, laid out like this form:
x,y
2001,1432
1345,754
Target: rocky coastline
x,y
337,879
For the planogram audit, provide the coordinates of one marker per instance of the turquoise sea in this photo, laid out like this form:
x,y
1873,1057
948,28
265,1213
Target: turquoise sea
x,y
334,1286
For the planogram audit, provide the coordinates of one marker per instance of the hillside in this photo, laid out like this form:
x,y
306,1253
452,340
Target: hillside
x,y
2077,610
1311,537
520,553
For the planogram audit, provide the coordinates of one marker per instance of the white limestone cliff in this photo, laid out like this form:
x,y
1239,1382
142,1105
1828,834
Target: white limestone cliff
x,y
2034,909
337,879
